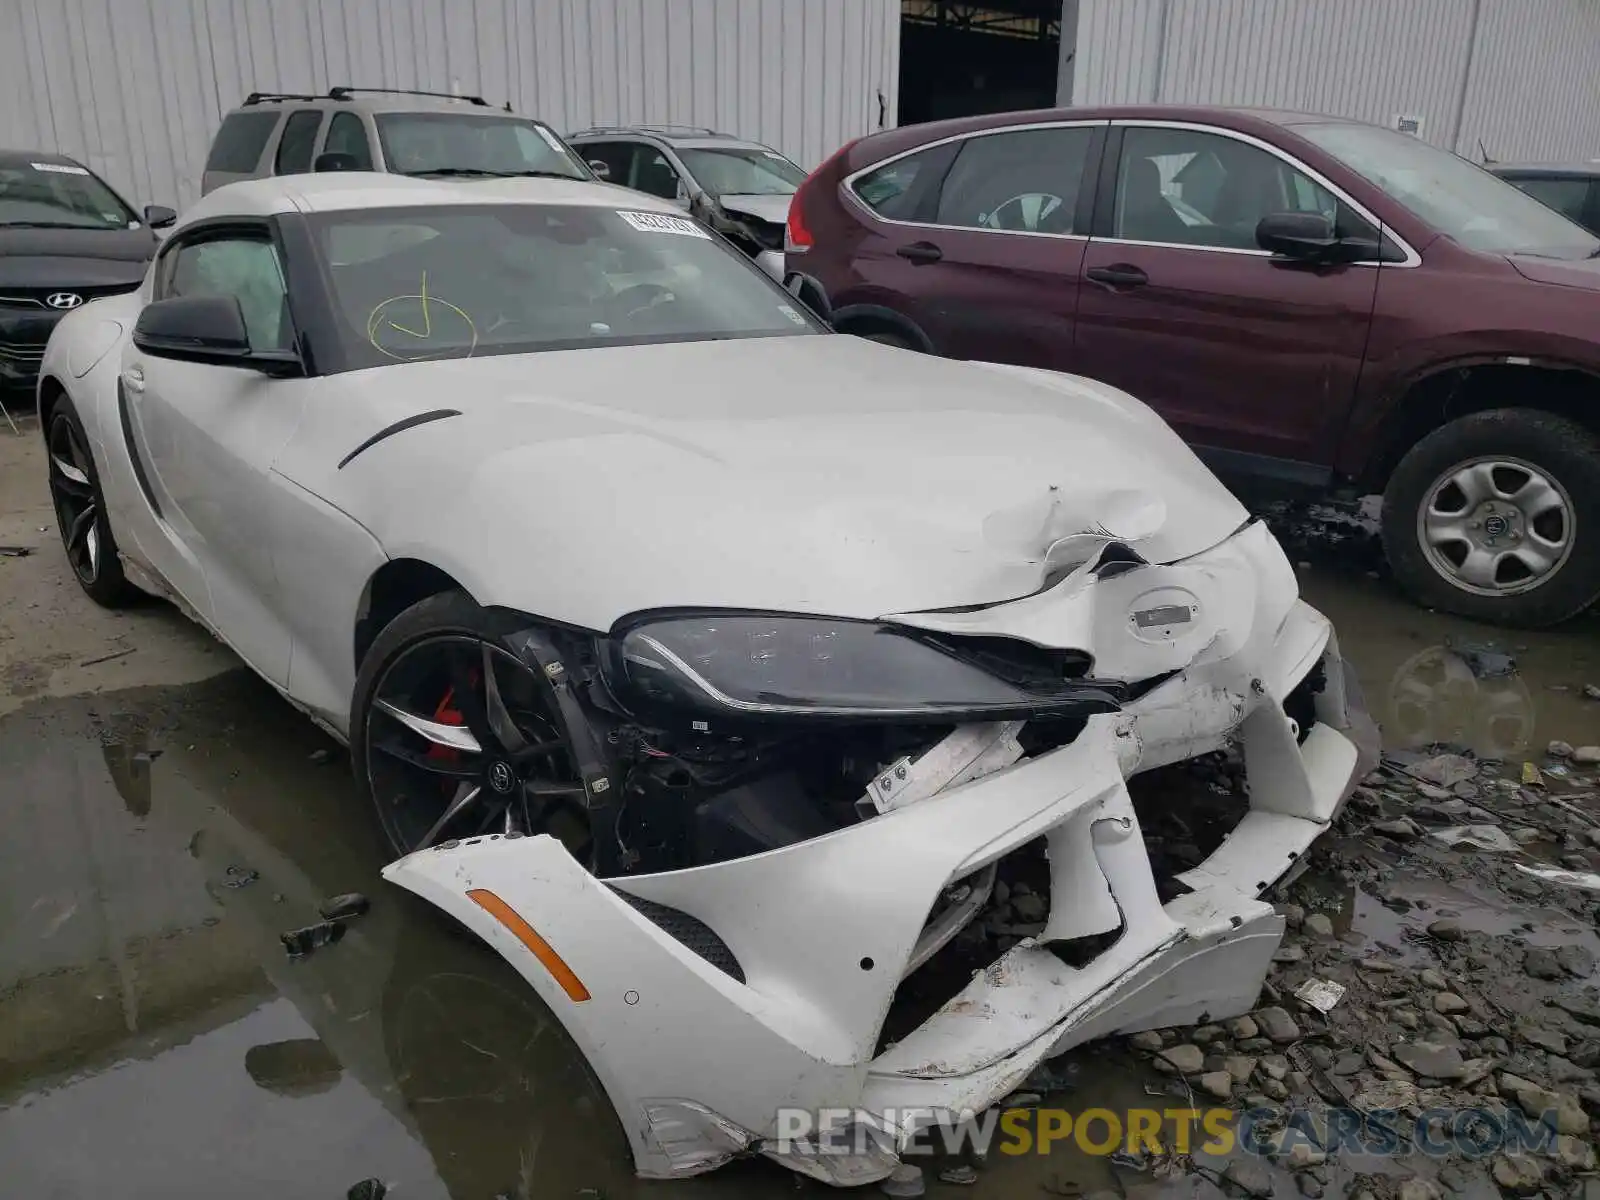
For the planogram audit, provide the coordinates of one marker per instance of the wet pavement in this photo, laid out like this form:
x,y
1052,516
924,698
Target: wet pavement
x,y
157,1040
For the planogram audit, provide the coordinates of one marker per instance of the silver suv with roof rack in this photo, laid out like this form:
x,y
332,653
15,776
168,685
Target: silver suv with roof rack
x,y
383,129
740,188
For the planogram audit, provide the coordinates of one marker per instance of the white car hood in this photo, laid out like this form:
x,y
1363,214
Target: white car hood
x,y
774,209
821,474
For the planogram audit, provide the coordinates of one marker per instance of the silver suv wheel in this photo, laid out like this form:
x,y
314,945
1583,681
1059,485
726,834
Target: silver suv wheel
x,y
1496,526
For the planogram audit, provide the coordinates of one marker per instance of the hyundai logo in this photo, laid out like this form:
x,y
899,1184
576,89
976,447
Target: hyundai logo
x,y
63,300
502,778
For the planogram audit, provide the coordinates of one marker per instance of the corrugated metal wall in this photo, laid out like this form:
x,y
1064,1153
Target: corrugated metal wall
x,y
1535,82
135,88
1524,75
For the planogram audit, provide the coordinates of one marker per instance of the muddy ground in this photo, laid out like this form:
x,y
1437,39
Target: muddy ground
x,y
164,818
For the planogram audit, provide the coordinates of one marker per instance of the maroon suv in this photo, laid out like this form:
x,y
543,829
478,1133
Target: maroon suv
x,y
1308,300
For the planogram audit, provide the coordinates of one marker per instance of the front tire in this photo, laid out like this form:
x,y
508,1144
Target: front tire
x,y
81,517
453,735
1496,516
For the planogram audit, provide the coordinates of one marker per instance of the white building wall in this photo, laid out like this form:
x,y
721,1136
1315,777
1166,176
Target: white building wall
x,y
136,88
1524,75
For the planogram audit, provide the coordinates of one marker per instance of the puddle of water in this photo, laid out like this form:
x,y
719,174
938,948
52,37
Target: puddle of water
x,y
136,967
1422,692
1398,928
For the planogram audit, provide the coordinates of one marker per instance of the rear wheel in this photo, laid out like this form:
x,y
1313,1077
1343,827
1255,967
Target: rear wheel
x,y
1496,516
81,512
453,735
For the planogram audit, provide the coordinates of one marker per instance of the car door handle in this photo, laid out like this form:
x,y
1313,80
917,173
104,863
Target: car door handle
x,y
1118,275
921,252
133,379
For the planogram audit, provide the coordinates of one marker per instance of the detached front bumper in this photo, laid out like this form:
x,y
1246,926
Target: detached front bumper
x,y
716,1002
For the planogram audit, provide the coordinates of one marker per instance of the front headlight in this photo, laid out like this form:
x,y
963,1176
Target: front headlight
x,y
755,667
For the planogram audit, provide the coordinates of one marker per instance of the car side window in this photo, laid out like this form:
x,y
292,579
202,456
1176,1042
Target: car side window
x,y
653,173
1567,196
1189,188
240,140
298,140
1024,181
346,135
617,156
896,190
245,268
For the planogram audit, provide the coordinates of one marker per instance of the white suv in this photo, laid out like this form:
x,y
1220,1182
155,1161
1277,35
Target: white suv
x,y
383,129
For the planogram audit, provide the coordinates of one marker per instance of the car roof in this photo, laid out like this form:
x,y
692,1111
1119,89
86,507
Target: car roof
x,y
337,191
1259,121
379,102
1588,169
681,137
22,158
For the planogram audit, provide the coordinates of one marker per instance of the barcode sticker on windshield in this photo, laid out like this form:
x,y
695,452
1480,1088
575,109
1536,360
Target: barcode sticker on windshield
x,y
661,223
59,168
551,140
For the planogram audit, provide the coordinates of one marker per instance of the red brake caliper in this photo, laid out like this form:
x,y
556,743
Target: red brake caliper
x,y
447,714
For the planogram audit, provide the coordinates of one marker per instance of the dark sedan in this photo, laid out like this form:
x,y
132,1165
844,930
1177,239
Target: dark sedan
x,y
65,238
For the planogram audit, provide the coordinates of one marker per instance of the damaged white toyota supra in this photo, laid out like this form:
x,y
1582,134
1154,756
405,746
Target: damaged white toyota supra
x,y
706,663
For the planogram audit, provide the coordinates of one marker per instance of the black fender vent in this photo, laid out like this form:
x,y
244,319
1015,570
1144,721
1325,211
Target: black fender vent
x,y
690,931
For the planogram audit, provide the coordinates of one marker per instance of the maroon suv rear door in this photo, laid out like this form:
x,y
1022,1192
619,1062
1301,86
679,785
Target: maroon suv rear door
x,y
1242,353
988,265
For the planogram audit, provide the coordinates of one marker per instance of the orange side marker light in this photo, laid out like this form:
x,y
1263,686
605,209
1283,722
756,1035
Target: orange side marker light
x,y
529,937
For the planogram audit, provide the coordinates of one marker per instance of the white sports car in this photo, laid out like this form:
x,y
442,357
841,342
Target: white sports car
x,y
706,663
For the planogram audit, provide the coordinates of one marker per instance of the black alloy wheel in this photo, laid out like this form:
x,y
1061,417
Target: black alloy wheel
x,y
458,737
80,510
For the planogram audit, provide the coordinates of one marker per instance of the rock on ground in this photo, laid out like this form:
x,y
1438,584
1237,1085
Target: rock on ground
x,y
1216,1083
1185,1060
1574,1153
1541,963
1436,1060
1277,1025
1250,1176
1320,925
1519,1175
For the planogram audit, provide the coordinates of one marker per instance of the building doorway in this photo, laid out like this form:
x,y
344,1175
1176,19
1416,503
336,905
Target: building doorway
x,y
960,59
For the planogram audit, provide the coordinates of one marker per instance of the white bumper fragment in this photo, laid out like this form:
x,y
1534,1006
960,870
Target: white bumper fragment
x,y
813,938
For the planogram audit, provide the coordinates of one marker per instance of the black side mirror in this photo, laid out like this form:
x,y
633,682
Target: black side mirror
x,y
159,216
601,170
206,329
334,161
1300,235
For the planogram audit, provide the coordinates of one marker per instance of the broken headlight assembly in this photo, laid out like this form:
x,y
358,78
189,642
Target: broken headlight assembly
x,y
756,667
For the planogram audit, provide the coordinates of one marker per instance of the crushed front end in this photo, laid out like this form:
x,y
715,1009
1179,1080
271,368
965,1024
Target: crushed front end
x,y
762,869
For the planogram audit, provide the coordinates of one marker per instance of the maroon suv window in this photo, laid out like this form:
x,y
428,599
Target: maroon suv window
x,y
894,189
1024,180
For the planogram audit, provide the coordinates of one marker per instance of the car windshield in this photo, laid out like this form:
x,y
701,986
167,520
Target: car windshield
x,y
461,143
58,195
1463,201
462,280
743,171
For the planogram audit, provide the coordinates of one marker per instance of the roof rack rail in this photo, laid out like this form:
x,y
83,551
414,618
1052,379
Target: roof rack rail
x,y
264,97
345,92
667,129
